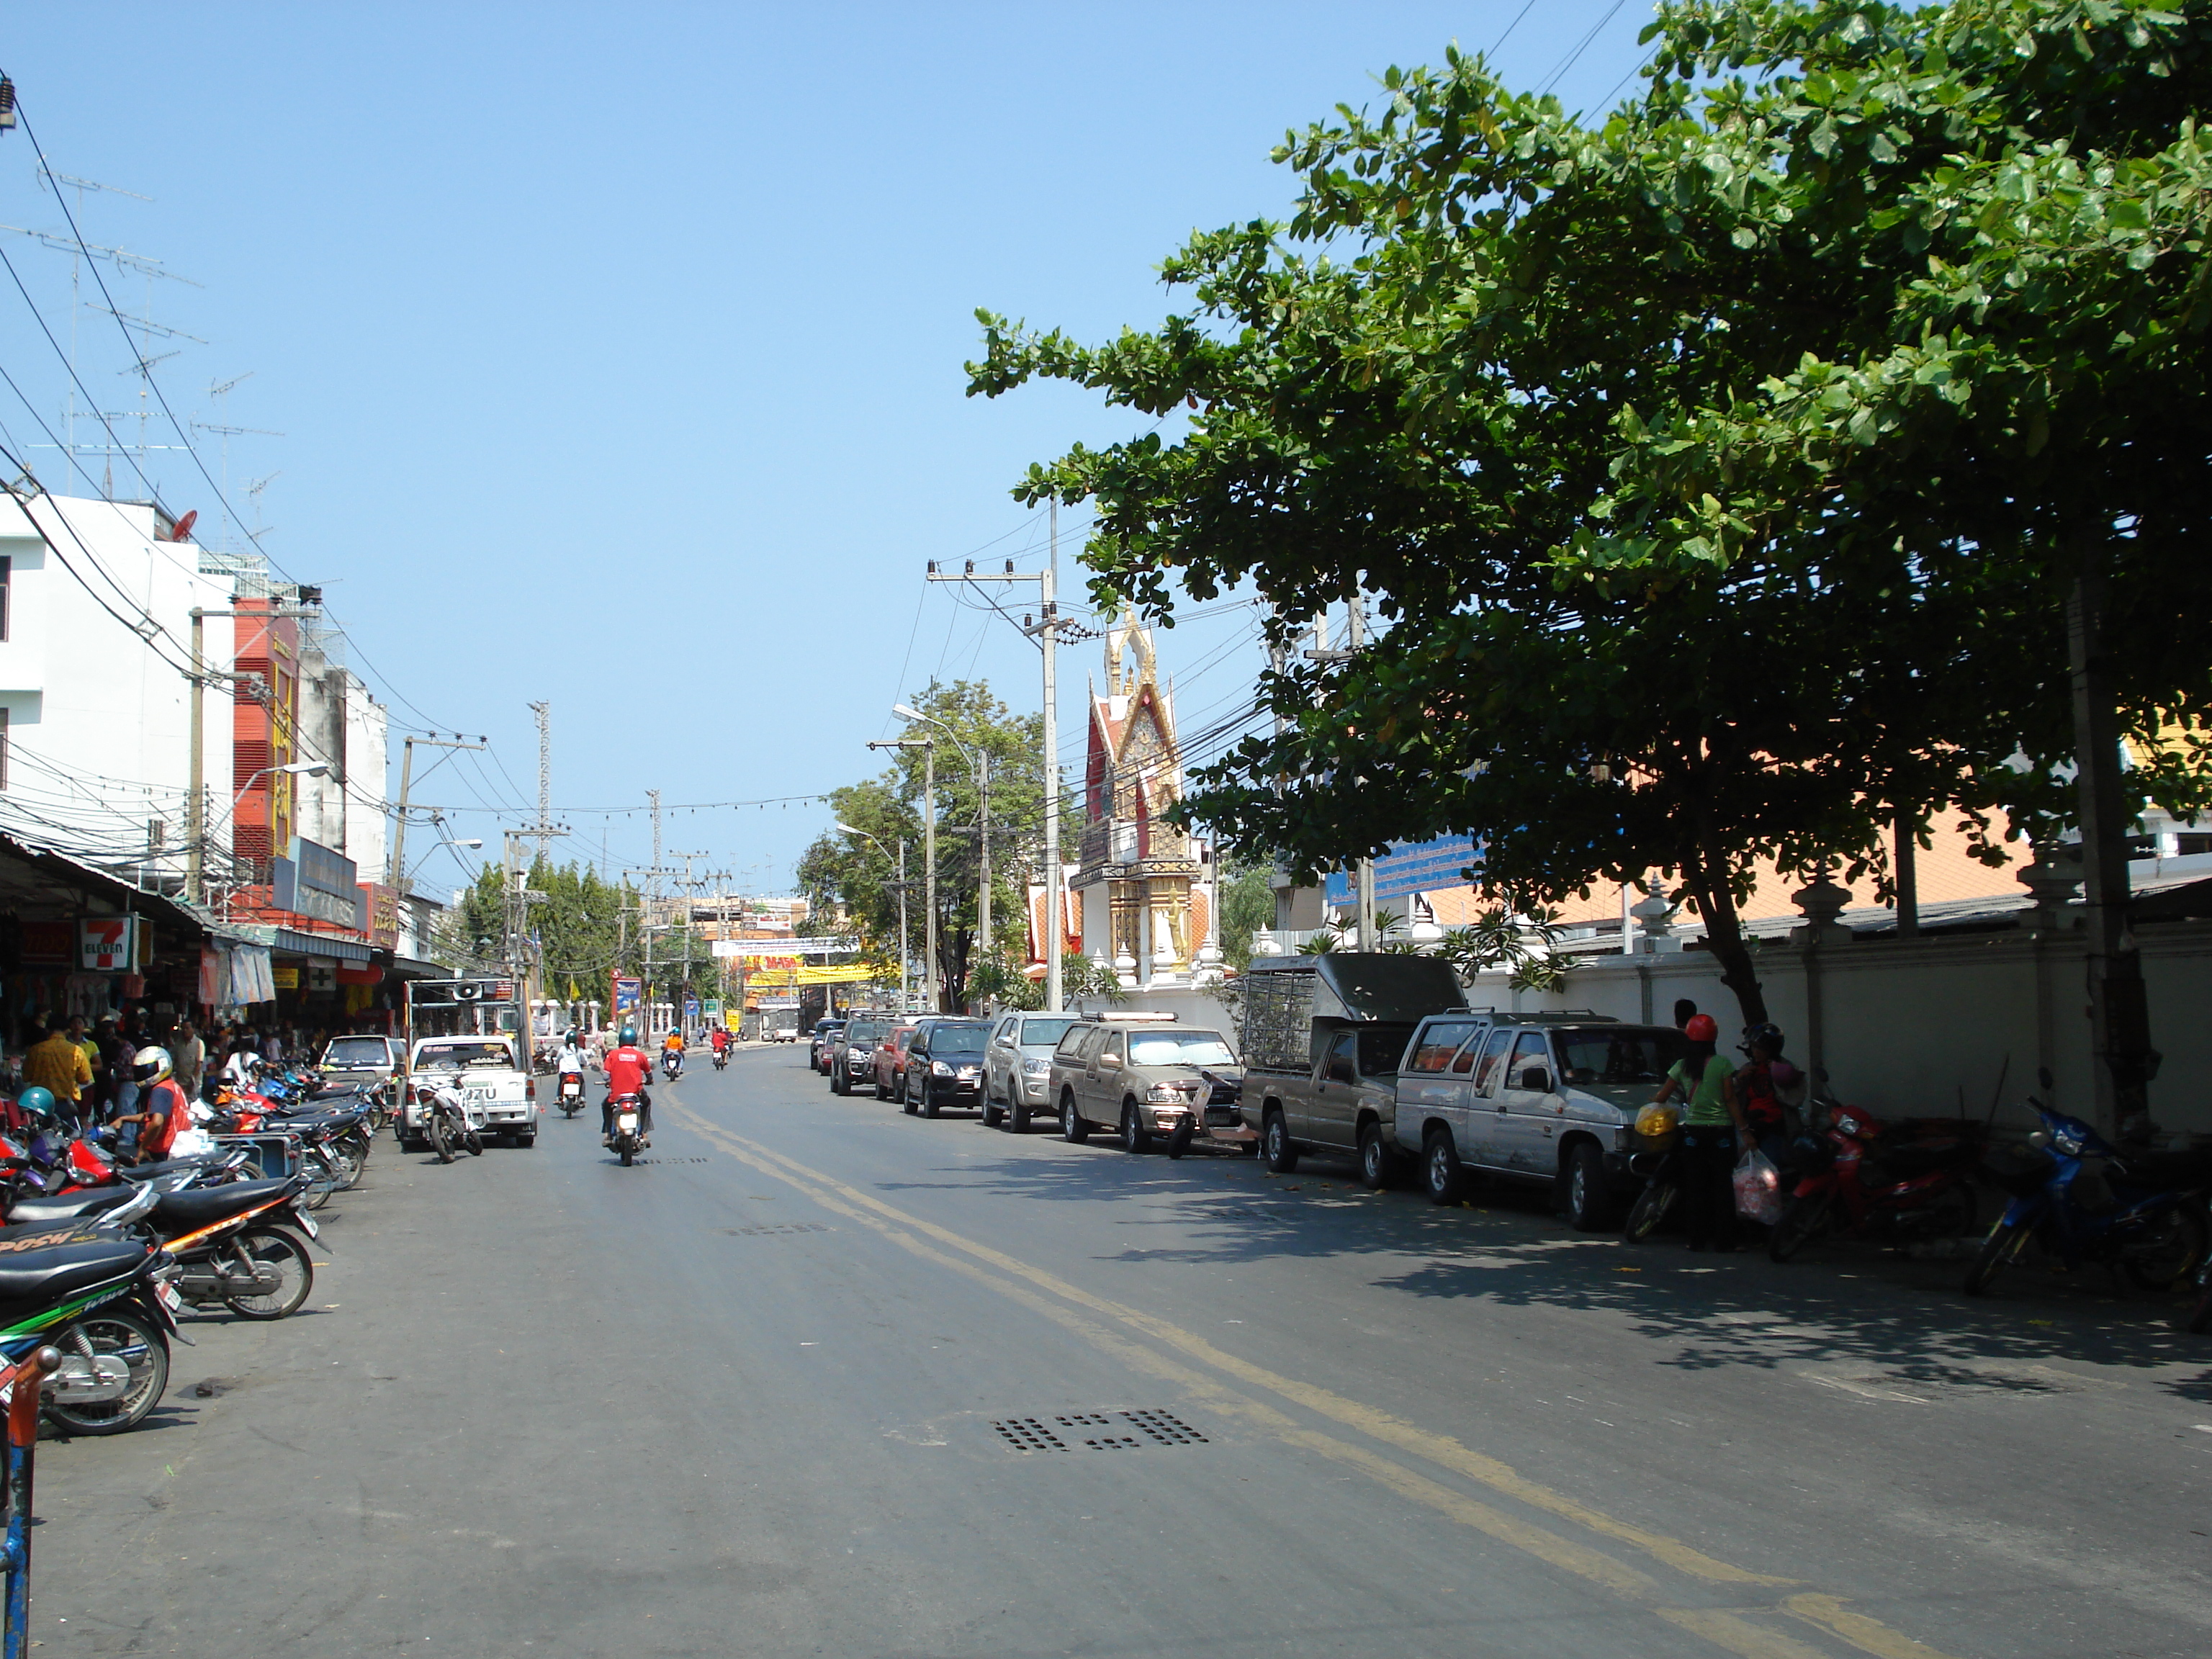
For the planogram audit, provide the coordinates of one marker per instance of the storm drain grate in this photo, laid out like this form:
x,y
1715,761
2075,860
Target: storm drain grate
x,y
781,1230
671,1160
1026,1434
1029,1434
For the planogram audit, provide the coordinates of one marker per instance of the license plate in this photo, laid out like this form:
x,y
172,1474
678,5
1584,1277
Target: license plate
x,y
168,1292
309,1222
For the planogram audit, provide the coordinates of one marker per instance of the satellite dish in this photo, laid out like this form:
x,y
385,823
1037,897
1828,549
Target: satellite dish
x,y
183,532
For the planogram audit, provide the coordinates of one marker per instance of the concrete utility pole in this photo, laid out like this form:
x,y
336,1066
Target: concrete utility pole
x,y
647,902
1045,630
543,829
1363,869
397,875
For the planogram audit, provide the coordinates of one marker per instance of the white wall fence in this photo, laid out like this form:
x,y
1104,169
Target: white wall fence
x,y
1917,1027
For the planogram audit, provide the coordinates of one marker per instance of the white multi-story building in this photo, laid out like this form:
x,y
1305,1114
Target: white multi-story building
x,y
96,755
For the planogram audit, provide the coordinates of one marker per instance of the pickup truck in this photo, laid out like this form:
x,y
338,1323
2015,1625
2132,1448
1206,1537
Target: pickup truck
x,y
500,1098
1323,1037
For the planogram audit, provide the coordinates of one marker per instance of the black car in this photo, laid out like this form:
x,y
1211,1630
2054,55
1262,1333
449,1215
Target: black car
x,y
945,1066
824,1043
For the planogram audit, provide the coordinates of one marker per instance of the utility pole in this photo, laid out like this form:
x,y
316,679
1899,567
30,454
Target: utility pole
x,y
646,906
397,874
685,994
1363,869
906,956
543,828
984,842
1045,630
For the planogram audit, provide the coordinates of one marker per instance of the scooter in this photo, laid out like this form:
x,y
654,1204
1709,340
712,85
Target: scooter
x,y
1858,1179
671,1064
628,1137
722,1058
2085,1200
571,1093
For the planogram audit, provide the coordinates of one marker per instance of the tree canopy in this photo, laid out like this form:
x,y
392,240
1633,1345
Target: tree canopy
x,y
1718,468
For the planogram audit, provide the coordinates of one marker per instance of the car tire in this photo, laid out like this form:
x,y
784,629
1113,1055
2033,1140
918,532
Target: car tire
x,y
1276,1148
1135,1138
1441,1174
1375,1163
526,1142
1072,1128
992,1114
1583,1184
1017,1118
881,1093
928,1098
837,1084
906,1093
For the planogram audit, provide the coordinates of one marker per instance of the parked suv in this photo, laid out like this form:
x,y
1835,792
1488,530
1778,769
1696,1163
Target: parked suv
x,y
825,1040
945,1066
1144,1075
1546,1099
852,1056
1018,1067
890,1059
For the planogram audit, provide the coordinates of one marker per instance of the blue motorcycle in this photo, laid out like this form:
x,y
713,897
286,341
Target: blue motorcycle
x,y
2085,1200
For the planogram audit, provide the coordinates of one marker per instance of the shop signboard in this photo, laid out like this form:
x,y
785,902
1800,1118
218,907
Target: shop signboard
x,y
690,1008
322,974
106,945
319,881
382,902
285,979
628,992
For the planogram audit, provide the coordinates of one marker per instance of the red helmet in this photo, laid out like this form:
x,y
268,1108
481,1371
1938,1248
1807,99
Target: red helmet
x,y
1702,1028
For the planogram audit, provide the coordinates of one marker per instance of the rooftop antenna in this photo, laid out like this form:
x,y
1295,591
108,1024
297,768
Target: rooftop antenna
x,y
254,490
216,391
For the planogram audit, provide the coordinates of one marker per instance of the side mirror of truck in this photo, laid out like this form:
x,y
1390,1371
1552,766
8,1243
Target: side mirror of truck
x,y
1536,1079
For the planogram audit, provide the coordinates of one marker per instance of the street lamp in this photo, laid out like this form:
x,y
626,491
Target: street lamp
x,y
296,769
906,993
982,774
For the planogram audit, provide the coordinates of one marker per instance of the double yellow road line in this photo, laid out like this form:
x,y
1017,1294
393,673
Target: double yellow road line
x,y
1631,1563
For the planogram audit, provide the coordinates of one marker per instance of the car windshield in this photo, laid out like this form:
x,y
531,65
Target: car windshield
x,y
1179,1048
451,1056
958,1039
1621,1055
863,1031
1043,1033
357,1051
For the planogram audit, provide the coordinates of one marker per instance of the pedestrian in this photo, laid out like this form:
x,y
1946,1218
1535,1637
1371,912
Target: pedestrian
x,y
1712,1128
58,1065
272,1048
1685,1011
189,1055
1769,1087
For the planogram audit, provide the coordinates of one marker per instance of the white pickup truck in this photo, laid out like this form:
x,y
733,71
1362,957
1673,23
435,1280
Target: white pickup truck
x,y
500,1098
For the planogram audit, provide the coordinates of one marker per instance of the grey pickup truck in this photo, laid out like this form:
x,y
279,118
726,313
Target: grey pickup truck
x,y
1323,1035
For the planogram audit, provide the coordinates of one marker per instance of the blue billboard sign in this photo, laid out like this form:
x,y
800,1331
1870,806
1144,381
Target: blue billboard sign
x,y
1422,867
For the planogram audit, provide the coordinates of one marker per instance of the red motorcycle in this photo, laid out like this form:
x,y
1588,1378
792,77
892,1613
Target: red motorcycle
x,y
1891,1185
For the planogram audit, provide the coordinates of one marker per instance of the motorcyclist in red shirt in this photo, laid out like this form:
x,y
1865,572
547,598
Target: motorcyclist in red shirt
x,y
628,1069
720,1040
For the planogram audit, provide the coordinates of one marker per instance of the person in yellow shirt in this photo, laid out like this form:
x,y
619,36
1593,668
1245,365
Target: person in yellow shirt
x,y
58,1064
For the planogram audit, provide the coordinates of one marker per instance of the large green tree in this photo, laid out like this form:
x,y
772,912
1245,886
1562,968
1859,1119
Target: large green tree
x,y
968,724
1697,544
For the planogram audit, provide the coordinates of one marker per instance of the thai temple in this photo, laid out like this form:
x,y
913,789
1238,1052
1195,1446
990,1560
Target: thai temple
x,y
1141,891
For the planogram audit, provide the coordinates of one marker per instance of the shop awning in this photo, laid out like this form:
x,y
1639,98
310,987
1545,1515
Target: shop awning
x,y
36,879
293,943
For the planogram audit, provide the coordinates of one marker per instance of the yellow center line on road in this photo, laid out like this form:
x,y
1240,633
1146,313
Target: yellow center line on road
x,y
1724,1628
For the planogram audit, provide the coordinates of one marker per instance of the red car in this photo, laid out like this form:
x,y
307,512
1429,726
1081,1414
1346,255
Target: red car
x,y
890,1060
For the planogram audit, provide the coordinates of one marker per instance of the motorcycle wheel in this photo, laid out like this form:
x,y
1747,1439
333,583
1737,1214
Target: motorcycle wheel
x,y
474,1142
1951,1215
1179,1141
272,1247
439,1144
1801,1221
1648,1212
2169,1250
2003,1243
629,1152
129,1336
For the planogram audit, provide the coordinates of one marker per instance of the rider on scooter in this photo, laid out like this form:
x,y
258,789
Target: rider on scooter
x,y
671,1055
721,1043
629,1069
569,1065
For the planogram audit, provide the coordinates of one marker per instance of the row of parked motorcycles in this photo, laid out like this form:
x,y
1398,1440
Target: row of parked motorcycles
x,y
99,1254
2075,1197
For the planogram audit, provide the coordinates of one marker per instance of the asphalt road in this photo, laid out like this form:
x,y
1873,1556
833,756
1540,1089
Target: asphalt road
x,y
821,1378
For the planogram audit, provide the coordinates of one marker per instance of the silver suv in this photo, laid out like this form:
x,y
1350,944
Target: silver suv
x,y
1143,1075
1018,1068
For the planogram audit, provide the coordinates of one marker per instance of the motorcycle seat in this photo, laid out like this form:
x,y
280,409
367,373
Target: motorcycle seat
x,y
2163,1171
196,1207
46,1275
45,1212
169,1166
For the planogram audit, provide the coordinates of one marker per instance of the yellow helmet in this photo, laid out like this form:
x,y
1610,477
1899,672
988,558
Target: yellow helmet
x,y
1656,1121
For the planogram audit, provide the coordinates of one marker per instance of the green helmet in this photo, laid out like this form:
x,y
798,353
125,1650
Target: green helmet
x,y
628,1036
35,1102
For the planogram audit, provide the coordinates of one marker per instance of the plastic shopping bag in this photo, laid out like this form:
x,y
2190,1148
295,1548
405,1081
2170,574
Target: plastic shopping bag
x,y
1757,1189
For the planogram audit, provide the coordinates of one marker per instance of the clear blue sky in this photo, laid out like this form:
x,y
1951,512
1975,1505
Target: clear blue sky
x,y
617,349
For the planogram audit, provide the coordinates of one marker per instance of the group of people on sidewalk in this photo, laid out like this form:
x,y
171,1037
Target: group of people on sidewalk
x,y
1728,1111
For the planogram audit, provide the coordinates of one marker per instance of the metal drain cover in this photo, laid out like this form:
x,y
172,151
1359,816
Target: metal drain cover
x,y
1161,1428
780,1229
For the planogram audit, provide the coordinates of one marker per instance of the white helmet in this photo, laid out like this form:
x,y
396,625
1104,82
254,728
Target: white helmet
x,y
151,1065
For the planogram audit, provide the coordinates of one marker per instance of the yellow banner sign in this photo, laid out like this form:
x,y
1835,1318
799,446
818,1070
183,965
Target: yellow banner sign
x,y
848,973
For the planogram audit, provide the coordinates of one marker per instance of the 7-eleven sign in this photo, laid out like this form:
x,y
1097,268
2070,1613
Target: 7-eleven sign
x,y
105,945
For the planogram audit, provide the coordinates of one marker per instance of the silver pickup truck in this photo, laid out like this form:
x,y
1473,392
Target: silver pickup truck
x,y
1323,1035
1549,1099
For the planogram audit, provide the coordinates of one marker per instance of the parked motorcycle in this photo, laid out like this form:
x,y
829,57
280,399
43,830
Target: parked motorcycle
x,y
1658,1159
97,1295
571,1093
629,1137
446,1123
2086,1201
1889,1184
240,1246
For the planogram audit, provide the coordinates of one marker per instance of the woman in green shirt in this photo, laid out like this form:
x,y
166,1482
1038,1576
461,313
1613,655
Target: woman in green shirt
x,y
1711,1123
